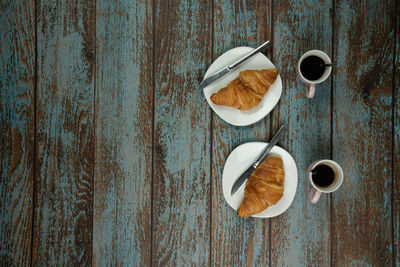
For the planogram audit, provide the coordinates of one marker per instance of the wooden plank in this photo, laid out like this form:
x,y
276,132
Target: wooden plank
x,y
17,94
237,241
300,236
63,207
396,143
181,134
122,186
362,133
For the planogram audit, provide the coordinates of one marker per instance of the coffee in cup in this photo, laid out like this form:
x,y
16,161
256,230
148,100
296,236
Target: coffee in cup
x,y
313,67
325,176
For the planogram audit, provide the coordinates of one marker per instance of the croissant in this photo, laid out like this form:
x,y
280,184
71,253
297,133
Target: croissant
x,y
264,187
247,90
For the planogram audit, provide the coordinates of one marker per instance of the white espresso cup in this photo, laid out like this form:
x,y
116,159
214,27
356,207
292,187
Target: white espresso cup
x,y
316,190
310,84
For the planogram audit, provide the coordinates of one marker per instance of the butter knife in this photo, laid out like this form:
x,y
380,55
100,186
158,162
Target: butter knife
x,y
227,69
243,177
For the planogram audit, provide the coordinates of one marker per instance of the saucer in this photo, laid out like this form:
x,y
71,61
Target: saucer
x,y
240,159
256,62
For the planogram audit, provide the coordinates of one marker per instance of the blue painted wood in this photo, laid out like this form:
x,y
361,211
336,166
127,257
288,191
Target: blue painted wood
x,y
362,131
65,97
301,236
237,241
123,119
95,144
17,84
396,139
181,193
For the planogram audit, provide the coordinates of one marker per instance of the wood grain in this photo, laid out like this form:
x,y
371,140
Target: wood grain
x,y
182,133
237,241
122,185
63,207
362,133
300,236
17,93
119,116
396,142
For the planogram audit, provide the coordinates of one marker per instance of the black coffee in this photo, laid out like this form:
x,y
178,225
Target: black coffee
x,y
312,68
323,175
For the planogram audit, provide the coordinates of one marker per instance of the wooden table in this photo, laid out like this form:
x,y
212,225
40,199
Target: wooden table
x,y
110,154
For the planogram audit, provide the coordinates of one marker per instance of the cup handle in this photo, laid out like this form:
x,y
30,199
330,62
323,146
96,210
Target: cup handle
x,y
314,195
310,90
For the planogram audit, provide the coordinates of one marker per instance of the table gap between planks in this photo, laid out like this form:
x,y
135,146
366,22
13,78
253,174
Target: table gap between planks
x,y
111,156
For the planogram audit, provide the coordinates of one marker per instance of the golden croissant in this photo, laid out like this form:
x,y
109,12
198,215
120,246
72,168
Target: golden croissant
x,y
247,90
264,187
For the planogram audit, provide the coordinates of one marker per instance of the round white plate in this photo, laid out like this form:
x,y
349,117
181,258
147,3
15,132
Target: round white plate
x,y
240,159
257,62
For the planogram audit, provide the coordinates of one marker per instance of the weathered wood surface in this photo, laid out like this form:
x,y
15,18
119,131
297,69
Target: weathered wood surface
x,y
396,142
236,241
17,87
300,236
181,181
129,157
122,179
362,133
65,133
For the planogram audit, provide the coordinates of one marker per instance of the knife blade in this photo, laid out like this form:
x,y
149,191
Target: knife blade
x,y
243,177
227,69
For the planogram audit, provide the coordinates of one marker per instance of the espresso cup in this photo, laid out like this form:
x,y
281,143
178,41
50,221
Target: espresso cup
x,y
321,75
332,186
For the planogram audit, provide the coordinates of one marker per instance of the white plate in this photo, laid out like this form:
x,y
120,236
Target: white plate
x,y
240,159
257,62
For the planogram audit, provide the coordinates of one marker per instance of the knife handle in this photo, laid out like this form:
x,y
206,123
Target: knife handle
x,y
242,179
252,53
271,144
